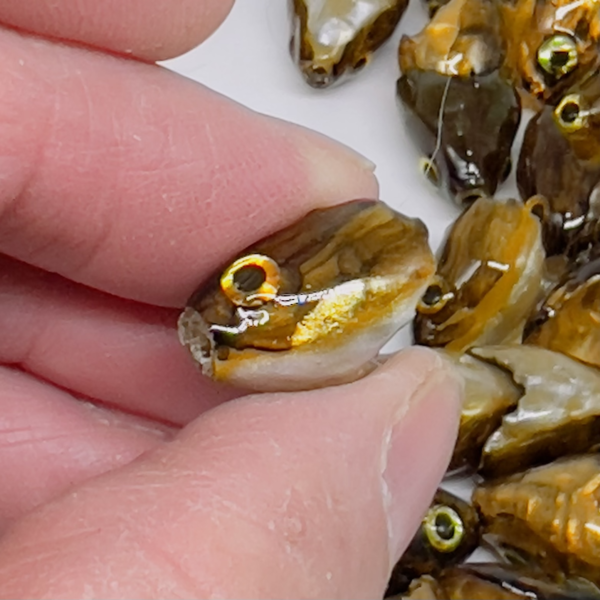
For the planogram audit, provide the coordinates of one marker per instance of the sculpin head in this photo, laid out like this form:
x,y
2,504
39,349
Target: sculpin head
x,y
448,534
560,160
488,280
568,322
484,581
313,304
335,38
551,45
462,113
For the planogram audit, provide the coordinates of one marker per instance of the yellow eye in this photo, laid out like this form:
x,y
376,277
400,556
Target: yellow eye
x,y
429,169
443,528
569,114
558,55
434,298
251,280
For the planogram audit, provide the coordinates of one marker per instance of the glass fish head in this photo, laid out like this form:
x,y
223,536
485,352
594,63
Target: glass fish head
x,y
312,304
560,160
488,278
551,46
448,534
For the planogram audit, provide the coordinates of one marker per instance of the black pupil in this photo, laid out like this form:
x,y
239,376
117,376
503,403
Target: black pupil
x,y
433,294
249,278
559,58
570,112
444,526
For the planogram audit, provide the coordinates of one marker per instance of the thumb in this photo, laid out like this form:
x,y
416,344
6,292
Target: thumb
x,y
304,495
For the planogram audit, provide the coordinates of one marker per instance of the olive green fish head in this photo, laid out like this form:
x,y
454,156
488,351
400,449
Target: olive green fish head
x,y
334,38
577,117
312,304
560,160
488,279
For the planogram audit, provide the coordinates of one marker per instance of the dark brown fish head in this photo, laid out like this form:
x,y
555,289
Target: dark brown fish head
x,y
331,40
461,112
488,277
560,160
448,534
465,128
311,305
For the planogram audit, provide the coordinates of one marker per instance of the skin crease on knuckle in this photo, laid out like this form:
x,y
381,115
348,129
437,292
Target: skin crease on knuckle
x,y
117,352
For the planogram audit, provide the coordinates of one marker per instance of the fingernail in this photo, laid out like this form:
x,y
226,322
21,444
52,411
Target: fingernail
x,y
419,447
336,171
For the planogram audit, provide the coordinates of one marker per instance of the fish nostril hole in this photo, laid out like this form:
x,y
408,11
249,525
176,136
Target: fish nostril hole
x,y
360,63
319,71
471,197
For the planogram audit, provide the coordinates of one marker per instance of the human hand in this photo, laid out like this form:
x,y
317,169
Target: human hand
x,y
123,187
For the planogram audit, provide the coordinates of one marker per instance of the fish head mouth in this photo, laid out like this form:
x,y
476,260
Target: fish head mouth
x,y
318,76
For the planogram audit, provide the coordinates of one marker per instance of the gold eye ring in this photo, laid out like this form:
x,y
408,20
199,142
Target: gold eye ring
x,y
251,280
443,528
434,298
569,113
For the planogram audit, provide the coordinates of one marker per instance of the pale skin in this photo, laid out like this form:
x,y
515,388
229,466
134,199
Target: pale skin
x,y
124,473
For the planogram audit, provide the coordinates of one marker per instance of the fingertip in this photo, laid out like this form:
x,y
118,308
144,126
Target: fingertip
x,y
336,172
160,30
423,393
419,443
307,494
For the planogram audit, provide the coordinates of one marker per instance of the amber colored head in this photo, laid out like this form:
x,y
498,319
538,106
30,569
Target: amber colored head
x,y
310,305
488,278
550,45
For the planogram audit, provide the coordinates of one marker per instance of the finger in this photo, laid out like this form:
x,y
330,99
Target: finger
x,y
135,181
118,352
302,495
50,441
151,31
